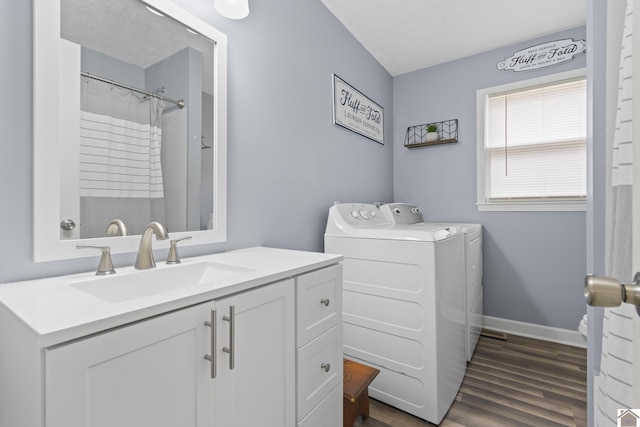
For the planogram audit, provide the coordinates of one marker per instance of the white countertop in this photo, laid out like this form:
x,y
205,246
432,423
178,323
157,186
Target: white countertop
x,y
53,311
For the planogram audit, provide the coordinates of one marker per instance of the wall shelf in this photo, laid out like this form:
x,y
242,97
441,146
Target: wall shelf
x,y
417,135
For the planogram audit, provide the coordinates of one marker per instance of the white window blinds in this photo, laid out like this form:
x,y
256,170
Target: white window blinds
x,y
535,143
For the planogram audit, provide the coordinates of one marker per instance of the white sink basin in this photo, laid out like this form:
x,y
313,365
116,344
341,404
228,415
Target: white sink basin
x,y
139,284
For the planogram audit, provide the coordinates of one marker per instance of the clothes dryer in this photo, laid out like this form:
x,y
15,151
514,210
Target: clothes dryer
x,y
403,306
406,213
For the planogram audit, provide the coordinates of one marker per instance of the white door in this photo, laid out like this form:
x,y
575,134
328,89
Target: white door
x,y
636,198
619,383
255,384
151,373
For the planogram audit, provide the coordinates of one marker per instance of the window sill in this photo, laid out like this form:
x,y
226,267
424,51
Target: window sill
x,y
578,206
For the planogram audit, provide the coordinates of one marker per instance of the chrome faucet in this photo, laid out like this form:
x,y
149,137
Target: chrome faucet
x,y
145,260
116,228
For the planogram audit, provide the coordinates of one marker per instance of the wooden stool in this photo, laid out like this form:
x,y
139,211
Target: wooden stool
x,y
357,378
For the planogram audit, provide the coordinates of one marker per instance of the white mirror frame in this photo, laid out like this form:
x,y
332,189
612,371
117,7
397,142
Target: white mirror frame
x,y
47,245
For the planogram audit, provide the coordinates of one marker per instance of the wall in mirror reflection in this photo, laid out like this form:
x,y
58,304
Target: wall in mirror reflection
x,y
118,172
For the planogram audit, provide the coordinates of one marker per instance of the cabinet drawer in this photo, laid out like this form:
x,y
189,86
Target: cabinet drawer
x,y
318,302
328,413
319,370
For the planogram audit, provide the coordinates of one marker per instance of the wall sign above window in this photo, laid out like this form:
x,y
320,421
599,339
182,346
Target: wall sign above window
x,y
543,55
354,111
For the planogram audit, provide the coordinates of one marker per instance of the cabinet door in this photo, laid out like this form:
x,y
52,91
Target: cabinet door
x,y
151,373
260,388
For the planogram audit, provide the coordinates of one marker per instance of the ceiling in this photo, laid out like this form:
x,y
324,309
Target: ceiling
x,y
126,30
403,35
408,35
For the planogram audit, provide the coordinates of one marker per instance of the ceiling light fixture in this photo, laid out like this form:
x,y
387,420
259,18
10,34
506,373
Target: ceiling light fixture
x,y
232,9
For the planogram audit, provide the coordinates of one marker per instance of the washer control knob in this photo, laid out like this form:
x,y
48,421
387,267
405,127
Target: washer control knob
x,y
373,214
354,214
396,211
364,214
415,210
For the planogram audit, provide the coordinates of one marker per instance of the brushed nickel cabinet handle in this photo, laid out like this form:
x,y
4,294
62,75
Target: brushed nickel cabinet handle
x,y
325,301
231,318
212,357
326,367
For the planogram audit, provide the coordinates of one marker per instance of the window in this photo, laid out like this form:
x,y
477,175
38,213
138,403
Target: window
x,y
532,144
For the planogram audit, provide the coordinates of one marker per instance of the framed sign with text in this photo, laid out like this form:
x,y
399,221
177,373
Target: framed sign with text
x,y
543,55
354,111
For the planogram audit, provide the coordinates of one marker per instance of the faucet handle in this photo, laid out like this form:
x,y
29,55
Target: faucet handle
x,y
105,266
174,257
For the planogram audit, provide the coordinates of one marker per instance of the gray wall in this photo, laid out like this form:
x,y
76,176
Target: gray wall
x,y
181,76
287,162
206,166
534,262
102,65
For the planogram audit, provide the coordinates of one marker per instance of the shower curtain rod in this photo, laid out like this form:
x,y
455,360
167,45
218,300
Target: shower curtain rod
x,y
179,103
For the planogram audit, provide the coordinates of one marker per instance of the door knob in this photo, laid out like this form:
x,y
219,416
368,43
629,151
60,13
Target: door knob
x,y
67,224
601,291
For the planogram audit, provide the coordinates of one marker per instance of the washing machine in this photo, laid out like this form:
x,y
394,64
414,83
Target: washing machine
x,y
405,213
403,306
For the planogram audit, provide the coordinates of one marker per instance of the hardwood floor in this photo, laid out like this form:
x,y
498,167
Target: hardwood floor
x,y
517,382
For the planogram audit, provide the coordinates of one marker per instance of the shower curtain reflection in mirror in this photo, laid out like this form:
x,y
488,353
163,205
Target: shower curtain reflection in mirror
x,y
120,158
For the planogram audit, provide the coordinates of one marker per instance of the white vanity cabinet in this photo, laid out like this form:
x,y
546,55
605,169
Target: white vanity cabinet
x,y
262,347
154,373
319,348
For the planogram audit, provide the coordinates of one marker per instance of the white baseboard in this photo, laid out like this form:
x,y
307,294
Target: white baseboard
x,y
530,330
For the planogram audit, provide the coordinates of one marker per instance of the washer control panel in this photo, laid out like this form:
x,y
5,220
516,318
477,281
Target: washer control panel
x,y
402,213
360,214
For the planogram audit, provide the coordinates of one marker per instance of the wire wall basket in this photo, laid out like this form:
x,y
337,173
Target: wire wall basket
x,y
432,133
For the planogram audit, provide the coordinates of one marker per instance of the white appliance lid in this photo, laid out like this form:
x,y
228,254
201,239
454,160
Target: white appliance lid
x,y
364,220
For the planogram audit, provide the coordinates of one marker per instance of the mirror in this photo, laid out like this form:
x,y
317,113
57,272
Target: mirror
x,y
99,78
